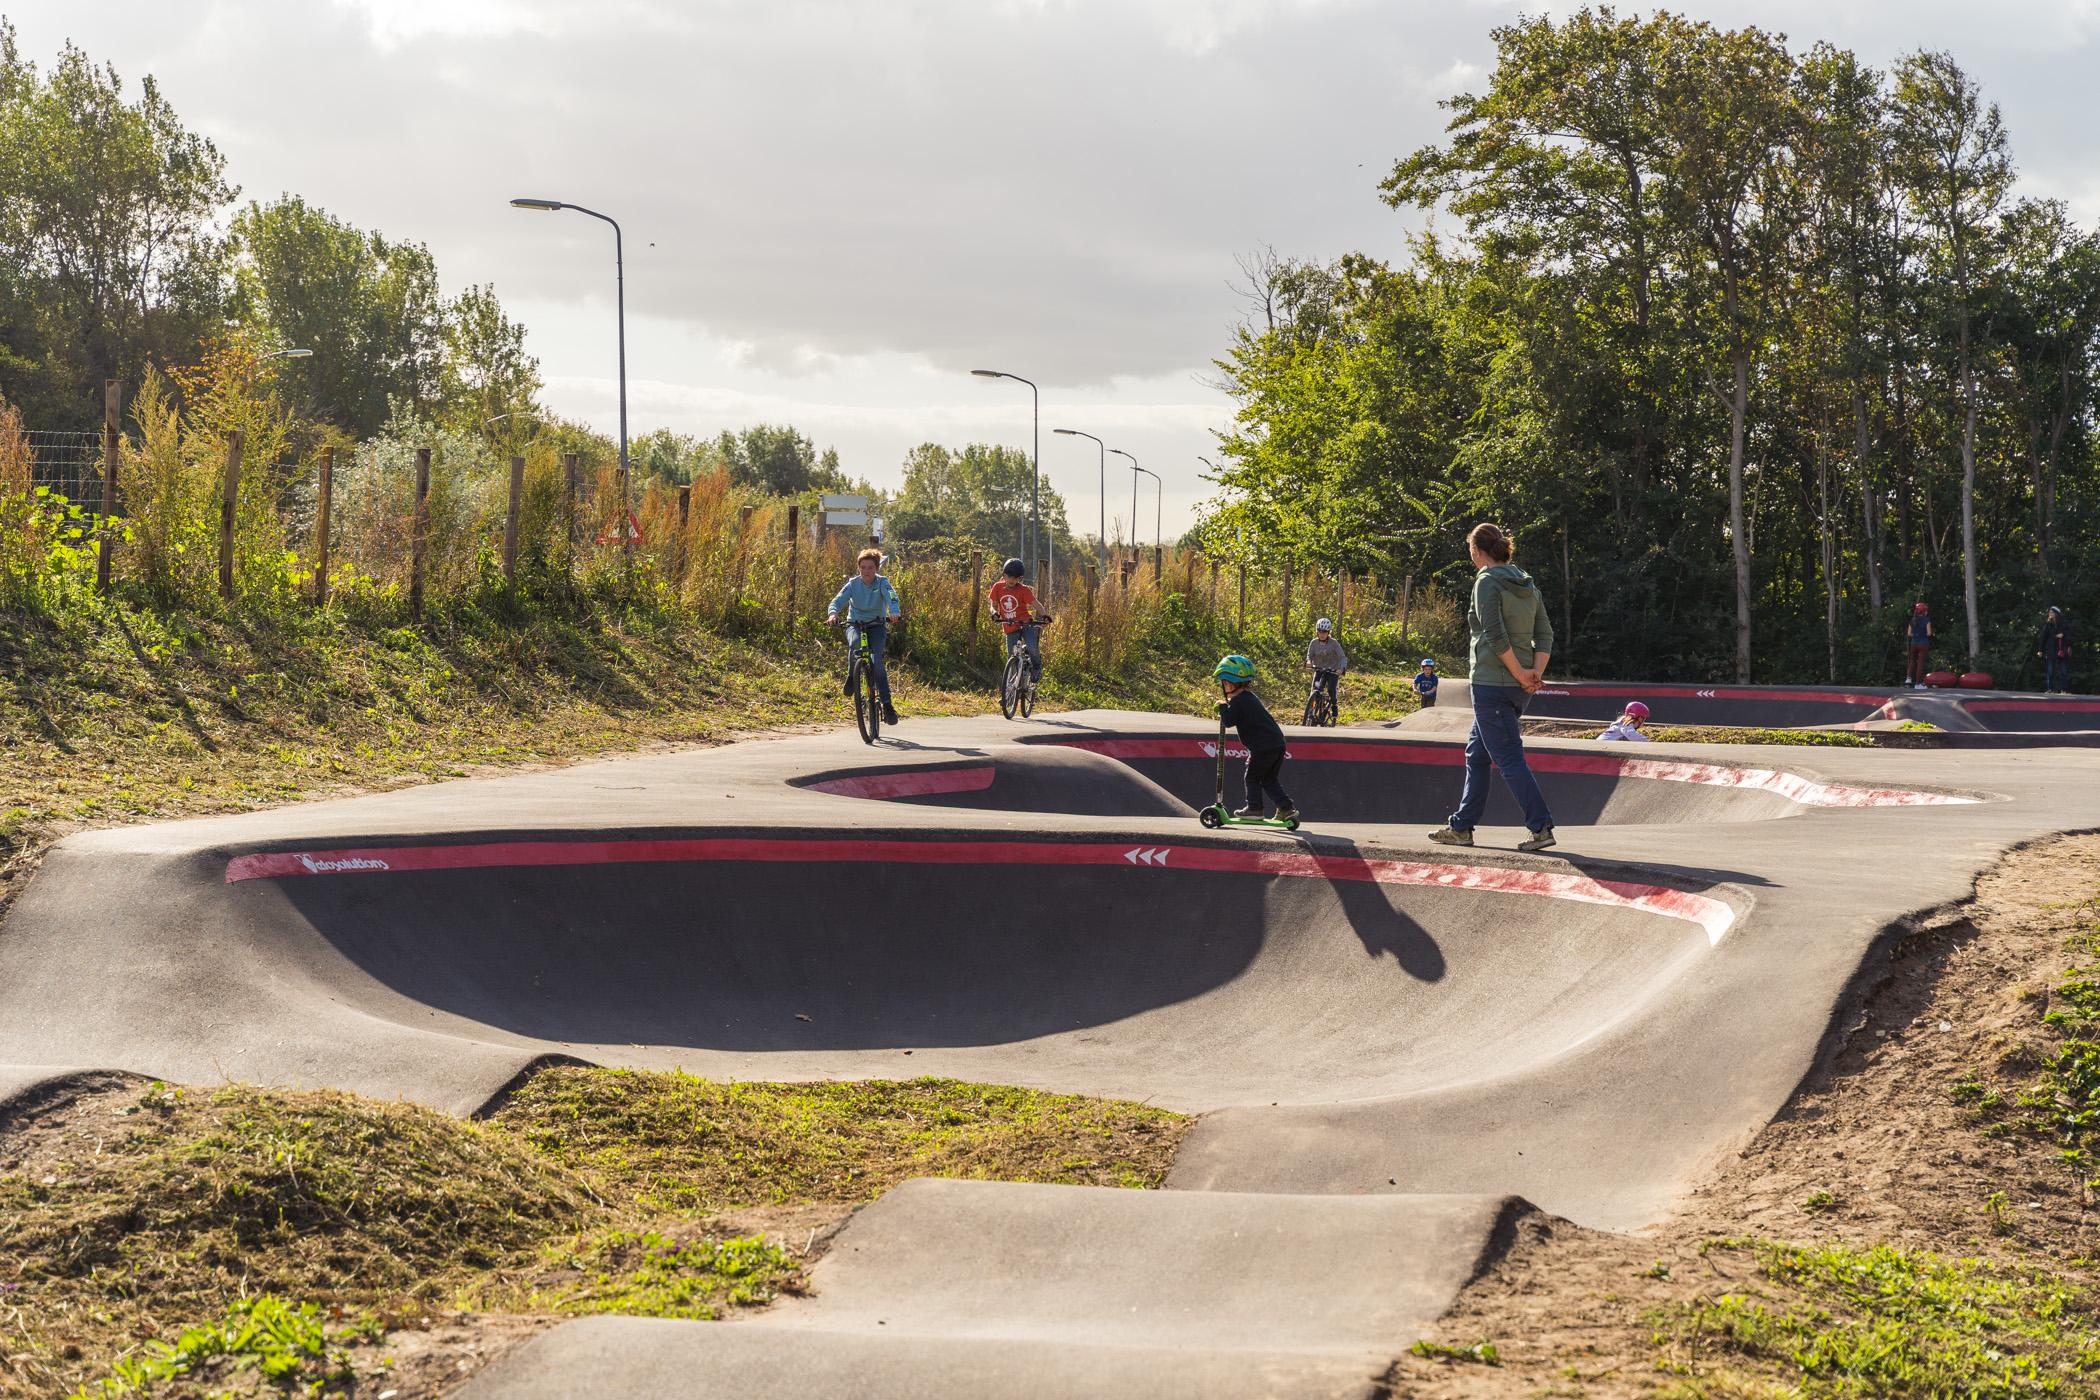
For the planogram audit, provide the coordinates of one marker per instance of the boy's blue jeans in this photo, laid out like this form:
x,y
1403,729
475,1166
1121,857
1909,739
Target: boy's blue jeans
x,y
2059,669
878,646
1498,740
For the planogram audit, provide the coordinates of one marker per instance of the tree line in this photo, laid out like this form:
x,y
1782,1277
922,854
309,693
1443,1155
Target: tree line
x,y
1750,346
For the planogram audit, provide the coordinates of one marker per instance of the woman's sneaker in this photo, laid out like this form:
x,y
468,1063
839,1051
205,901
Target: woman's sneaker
x,y
1539,841
1448,836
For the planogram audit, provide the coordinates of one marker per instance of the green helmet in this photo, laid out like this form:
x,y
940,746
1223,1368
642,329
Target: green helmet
x,y
1235,668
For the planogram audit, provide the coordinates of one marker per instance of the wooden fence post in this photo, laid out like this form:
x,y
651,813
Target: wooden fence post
x,y
510,522
324,508
1042,577
1243,600
685,531
418,520
1093,581
571,474
112,397
743,550
229,499
626,527
794,552
976,596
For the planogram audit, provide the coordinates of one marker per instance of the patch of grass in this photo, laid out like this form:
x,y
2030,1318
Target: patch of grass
x,y
648,1274
1819,1203
1481,1353
675,1142
2076,1011
1856,1322
282,1342
1723,734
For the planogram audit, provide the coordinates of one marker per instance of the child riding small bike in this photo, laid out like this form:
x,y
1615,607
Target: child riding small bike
x,y
1326,659
867,602
1020,617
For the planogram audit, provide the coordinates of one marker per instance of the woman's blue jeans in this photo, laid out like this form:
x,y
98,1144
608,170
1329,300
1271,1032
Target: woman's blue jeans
x,y
1498,740
878,645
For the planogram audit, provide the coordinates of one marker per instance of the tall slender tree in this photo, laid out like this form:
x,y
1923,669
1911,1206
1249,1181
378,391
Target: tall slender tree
x,y
1950,148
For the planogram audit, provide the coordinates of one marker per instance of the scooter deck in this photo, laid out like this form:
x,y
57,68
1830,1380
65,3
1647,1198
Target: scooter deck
x,y
1217,817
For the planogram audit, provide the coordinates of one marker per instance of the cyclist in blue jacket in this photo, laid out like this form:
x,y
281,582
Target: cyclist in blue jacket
x,y
868,600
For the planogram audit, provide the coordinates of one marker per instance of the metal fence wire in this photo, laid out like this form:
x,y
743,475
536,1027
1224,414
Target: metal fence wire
x,y
70,464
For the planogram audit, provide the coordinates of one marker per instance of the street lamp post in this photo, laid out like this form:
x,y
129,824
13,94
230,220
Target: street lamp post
x,y
1102,543
1159,495
1035,501
289,354
620,306
1134,470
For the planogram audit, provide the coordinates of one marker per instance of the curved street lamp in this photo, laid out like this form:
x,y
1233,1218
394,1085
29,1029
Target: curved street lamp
x,y
1159,495
620,304
1033,534
1134,470
1102,543
289,354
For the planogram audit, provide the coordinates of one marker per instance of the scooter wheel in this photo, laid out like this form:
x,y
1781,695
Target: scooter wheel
x,y
1211,817
1291,825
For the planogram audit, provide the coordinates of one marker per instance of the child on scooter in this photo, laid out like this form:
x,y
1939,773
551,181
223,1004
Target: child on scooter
x,y
1260,733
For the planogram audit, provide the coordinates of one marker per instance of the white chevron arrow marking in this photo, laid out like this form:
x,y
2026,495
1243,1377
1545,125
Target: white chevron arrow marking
x,y
1148,854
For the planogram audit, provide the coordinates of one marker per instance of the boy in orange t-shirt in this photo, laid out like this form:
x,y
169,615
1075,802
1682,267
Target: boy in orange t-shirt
x,y
1013,604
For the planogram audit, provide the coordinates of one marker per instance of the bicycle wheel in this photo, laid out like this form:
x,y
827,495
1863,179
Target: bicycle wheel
x,y
866,715
1027,694
1325,716
1010,685
1312,710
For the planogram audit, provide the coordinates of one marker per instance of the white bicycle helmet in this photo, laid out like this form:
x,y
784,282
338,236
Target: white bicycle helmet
x,y
1324,625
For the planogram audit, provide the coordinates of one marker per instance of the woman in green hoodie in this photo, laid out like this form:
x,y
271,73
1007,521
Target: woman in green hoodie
x,y
1512,640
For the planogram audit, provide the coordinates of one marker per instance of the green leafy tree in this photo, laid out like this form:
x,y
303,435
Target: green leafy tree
x,y
369,309
106,223
983,494
486,370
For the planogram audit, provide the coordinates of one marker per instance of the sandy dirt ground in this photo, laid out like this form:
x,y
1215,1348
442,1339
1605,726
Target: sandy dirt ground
x,y
1873,1149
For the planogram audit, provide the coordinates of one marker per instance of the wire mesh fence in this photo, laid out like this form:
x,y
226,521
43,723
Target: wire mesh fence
x,y
70,464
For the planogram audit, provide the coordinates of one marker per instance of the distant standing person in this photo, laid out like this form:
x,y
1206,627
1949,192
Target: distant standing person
x,y
1512,641
1920,643
2055,651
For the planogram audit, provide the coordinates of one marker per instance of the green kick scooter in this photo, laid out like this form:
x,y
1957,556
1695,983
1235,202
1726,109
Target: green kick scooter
x,y
1218,814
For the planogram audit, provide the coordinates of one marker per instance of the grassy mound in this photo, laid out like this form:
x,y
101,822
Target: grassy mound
x,y
674,1142
213,1194
256,1229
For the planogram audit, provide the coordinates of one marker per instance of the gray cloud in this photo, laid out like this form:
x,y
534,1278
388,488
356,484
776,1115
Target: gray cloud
x,y
947,179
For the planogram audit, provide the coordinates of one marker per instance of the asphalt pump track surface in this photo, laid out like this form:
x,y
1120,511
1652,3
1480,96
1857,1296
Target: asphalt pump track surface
x,y
1398,1048
2010,715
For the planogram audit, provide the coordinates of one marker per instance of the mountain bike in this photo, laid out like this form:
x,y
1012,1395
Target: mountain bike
x,y
860,684
1319,708
1018,683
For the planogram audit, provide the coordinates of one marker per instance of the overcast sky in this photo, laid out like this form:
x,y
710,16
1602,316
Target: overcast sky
x,y
834,210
